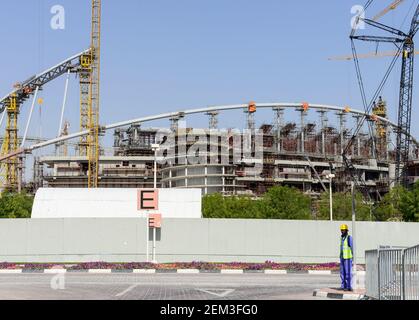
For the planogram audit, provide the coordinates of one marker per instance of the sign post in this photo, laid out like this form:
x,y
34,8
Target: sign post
x,y
155,223
147,259
147,200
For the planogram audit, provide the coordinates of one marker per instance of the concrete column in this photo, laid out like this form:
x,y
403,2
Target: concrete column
x,y
186,176
206,179
224,179
279,125
213,119
388,143
358,140
373,146
323,123
342,121
250,121
302,127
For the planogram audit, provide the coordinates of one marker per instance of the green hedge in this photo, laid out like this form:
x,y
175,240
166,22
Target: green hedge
x,y
13,205
278,203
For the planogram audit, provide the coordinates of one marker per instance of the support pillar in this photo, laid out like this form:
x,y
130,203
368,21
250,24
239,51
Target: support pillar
x,y
342,121
213,119
279,113
303,114
358,139
323,122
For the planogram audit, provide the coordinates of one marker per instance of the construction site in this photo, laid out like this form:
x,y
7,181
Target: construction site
x,y
292,177
326,146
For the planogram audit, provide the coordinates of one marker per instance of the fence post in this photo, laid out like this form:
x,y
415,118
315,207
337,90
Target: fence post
x,y
403,276
378,271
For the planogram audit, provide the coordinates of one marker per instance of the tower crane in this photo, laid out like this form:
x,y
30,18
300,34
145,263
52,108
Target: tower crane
x,y
90,98
405,44
393,6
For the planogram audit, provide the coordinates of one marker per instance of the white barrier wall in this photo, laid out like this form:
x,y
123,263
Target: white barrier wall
x,y
113,203
184,240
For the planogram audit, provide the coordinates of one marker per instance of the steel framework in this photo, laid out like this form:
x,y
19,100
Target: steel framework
x,y
94,98
406,47
11,104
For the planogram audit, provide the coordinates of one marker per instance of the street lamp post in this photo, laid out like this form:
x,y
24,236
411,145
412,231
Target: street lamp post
x,y
355,273
155,148
330,177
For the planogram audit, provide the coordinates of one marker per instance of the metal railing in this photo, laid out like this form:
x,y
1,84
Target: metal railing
x,y
392,273
371,273
411,274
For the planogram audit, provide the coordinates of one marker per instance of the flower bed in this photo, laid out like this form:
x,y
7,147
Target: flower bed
x,y
6,265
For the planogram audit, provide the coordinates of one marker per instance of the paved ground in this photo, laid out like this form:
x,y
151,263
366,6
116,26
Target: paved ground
x,y
164,286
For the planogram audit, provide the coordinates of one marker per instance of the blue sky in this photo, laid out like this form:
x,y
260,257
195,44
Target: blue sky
x,y
166,55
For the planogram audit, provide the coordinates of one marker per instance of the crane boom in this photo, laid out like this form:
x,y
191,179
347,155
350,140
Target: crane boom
x,y
367,55
391,7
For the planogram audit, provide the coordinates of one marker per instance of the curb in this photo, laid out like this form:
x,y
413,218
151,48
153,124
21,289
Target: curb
x,y
144,271
341,296
165,271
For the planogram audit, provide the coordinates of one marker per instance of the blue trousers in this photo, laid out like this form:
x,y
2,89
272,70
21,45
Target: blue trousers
x,y
346,273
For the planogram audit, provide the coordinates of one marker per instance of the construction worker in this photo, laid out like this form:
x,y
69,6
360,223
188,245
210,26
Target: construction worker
x,y
346,255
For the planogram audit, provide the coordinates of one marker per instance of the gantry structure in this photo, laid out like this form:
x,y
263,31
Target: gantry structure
x,y
87,66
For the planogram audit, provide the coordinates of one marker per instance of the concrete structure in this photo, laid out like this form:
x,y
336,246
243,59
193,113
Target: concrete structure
x,y
123,240
413,172
286,147
115,172
113,203
231,173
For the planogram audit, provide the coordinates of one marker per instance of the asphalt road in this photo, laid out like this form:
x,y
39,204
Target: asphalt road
x,y
163,286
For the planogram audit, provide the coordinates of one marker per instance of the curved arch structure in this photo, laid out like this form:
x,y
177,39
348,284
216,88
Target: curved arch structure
x,y
212,109
199,111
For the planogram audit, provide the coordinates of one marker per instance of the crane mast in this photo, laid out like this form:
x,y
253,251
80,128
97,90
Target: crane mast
x,y
90,99
405,113
94,100
405,103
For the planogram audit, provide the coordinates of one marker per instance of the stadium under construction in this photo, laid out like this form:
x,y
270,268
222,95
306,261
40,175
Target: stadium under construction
x,y
308,146
302,154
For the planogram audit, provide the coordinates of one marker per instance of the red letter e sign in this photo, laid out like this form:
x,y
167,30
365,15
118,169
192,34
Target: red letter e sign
x,y
148,199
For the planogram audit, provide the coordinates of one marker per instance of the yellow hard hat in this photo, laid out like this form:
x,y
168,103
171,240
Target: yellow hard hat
x,y
344,227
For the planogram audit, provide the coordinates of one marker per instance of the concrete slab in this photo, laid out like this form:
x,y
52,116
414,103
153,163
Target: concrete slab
x,y
335,293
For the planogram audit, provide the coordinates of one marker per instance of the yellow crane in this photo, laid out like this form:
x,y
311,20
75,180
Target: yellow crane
x,y
391,7
10,143
90,98
367,55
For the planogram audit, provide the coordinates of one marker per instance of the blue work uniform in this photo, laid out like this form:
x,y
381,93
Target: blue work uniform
x,y
346,255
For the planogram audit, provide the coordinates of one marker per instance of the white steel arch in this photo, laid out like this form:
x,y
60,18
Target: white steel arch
x,y
199,111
